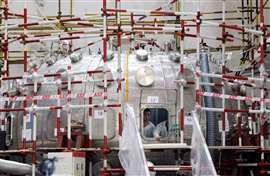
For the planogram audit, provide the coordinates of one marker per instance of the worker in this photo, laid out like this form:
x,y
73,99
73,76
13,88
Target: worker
x,y
148,126
161,130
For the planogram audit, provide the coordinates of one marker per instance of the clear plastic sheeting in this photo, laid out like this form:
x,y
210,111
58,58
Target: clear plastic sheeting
x,y
131,154
201,161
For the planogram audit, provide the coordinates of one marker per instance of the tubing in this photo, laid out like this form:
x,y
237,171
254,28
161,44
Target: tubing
x,y
211,121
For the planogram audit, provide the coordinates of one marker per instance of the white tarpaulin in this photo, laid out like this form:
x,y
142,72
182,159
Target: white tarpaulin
x,y
131,154
201,161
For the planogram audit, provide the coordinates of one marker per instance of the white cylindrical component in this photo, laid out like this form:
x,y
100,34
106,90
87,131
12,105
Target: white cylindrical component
x,y
33,169
105,130
58,111
254,127
24,127
69,109
181,109
34,129
240,141
240,137
250,125
223,135
262,146
90,128
181,136
212,109
69,125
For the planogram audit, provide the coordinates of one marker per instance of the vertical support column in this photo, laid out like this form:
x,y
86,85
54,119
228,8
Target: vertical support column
x,y
119,50
25,70
34,143
243,23
239,125
71,15
24,125
25,33
69,144
198,31
105,138
177,9
132,33
2,54
223,114
5,55
262,74
126,76
90,120
254,119
181,70
58,111
5,44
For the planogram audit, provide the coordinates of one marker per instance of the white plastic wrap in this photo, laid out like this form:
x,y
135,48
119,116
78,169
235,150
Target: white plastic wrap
x,y
131,154
201,161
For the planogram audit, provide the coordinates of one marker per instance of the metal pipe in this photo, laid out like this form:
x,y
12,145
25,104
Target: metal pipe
x,y
15,168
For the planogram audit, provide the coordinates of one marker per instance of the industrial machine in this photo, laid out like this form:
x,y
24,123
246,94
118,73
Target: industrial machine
x,y
200,103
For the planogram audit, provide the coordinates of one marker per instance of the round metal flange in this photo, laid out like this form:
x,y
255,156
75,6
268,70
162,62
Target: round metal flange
x,y
142,55
145,76
100,76
75,57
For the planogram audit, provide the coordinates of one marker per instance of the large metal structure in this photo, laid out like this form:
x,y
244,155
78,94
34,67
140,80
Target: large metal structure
x,y
73,98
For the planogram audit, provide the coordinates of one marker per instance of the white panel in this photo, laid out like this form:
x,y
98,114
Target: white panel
x,y
63,164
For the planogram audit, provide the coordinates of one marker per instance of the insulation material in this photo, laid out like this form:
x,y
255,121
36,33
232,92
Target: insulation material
x,y
131,154
201,160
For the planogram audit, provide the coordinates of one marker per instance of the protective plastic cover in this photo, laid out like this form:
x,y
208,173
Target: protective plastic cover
x,y
201,161
131,154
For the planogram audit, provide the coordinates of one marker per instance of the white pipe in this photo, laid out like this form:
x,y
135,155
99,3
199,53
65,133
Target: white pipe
x,y
34,128
105,130
147,12
166,146
15,168
212,75
255,32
